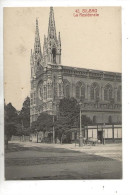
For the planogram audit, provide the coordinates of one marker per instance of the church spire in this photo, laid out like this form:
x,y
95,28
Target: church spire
x,y
51,26
59,39
37,45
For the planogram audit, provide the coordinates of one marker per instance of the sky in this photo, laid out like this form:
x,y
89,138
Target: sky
x,y
88,42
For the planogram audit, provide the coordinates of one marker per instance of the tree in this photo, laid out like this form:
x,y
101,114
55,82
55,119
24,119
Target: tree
x,y
10,121
86,121
24,115
21,130
69,108
61,127
68,117
34,126
44,123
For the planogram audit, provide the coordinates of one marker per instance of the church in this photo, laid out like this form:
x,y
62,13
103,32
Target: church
x,y
99,91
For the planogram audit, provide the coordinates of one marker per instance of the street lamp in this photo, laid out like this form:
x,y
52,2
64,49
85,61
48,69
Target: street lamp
x,y
53,130
80,130
104,133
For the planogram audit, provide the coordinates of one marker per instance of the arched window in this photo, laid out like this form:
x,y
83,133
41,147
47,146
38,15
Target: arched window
x,y
108,92
55,87
38,63
54,55
49,91
44,93
77,92
67,91
66,88
60,89
40,90
105,94
119,94
80,90
94,91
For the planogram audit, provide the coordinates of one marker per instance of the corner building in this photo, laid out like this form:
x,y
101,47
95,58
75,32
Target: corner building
x,y
100,91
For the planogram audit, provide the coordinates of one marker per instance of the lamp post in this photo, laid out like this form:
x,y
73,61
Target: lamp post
x,y
104,133
80,130
53,131
53,128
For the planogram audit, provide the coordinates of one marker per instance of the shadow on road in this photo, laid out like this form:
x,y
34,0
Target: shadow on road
x,y
17,147
21,157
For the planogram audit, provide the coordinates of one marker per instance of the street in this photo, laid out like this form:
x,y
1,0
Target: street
x,y
32,161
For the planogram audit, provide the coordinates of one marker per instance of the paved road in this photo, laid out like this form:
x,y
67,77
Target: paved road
x,y
43,161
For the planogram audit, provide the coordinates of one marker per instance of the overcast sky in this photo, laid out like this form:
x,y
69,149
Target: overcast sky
x,y
88,42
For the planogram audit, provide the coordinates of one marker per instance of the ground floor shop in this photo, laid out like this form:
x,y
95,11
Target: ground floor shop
x,y
107,133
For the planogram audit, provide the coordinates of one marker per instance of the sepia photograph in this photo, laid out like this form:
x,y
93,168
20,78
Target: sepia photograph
x,y
62,93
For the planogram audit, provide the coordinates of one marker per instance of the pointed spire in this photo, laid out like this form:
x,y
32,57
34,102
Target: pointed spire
x,y
36,24
37,30
31,57
51,26
44,44
59,39
45,40
37,45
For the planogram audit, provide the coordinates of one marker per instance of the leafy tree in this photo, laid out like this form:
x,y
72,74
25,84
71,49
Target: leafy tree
x,y
68,117
34,126
69,112
21,130
69,109
44,123
61,127
10,112
24,115
10,121
86,120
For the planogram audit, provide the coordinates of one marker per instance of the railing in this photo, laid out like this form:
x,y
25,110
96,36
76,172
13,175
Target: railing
x,y
102,106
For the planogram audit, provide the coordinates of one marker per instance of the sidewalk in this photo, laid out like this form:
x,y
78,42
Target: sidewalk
x,y
113,151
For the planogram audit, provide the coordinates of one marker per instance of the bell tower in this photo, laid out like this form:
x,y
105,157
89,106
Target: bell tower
x,y
36,54
52,44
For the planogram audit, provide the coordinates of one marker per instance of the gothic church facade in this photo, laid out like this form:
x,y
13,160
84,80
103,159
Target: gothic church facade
x,y
100,91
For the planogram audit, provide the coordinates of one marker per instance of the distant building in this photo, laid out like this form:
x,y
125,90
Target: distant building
x,y
100,91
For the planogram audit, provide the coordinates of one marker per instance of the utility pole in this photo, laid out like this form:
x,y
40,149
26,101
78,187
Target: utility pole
x,y
53,130
80,130
104,133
